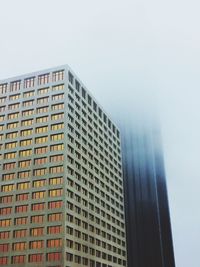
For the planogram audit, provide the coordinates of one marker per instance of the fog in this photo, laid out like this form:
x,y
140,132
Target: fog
x,y
126,52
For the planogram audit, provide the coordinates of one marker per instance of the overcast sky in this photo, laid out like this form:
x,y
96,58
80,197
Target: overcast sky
x,y
123,51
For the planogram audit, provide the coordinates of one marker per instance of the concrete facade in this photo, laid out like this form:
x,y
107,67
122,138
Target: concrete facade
x,y
61,186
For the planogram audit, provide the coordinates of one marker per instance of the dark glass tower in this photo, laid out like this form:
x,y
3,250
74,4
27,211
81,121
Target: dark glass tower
x,y
149,237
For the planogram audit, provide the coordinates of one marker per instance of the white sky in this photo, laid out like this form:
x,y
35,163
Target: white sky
x,y
122,49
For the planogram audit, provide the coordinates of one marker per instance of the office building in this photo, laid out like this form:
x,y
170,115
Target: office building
x,y
148,228
61,185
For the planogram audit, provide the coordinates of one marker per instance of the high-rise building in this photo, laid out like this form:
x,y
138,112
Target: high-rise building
x,y
61,186
149,237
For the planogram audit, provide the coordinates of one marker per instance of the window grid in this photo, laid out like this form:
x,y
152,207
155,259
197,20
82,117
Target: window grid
x,y
37,150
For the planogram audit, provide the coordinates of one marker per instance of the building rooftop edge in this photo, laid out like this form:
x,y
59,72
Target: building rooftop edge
x,y
66,67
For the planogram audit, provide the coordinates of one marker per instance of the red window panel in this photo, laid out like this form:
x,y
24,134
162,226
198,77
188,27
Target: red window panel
x,y
54,243
54,229
3,260
4,235
22,197
21,220
54,256
6,199
55,204
23,208
4,247
36,257
38,206
19,233
5,211
18,259
37,219
55,217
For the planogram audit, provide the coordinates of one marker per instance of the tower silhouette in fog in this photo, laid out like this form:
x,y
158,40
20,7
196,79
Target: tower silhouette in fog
x,y
149,237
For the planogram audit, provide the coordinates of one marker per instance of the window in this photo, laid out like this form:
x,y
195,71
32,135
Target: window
x,y
83,93
19,246
42,109
10,155
43,91
25,153
55,192
57,116
94,106
13,106
22,208
56,169
43,100
2,117
14,86
55,204
11,135
37,206
36,244
39,183
43,79
27,122
28,94
4,235
42,119
57,97
29,82
57,106
37,219
56,137
5,211
28,103
39,172
54,229
12,116
41,150
40,161
57,126
40,140
55,217
55,181
5,223
57,147
6,199
2,99
20,233
26,132
54,243
58,75
56,158
12,125
3,88
43,129
58,87
70,77
26,142
24,174
23,186
1,137
35,257
3,260
37,231
18,259
27,112
38,195
69,256
20,221
54,256
7,188
24,163
22,197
